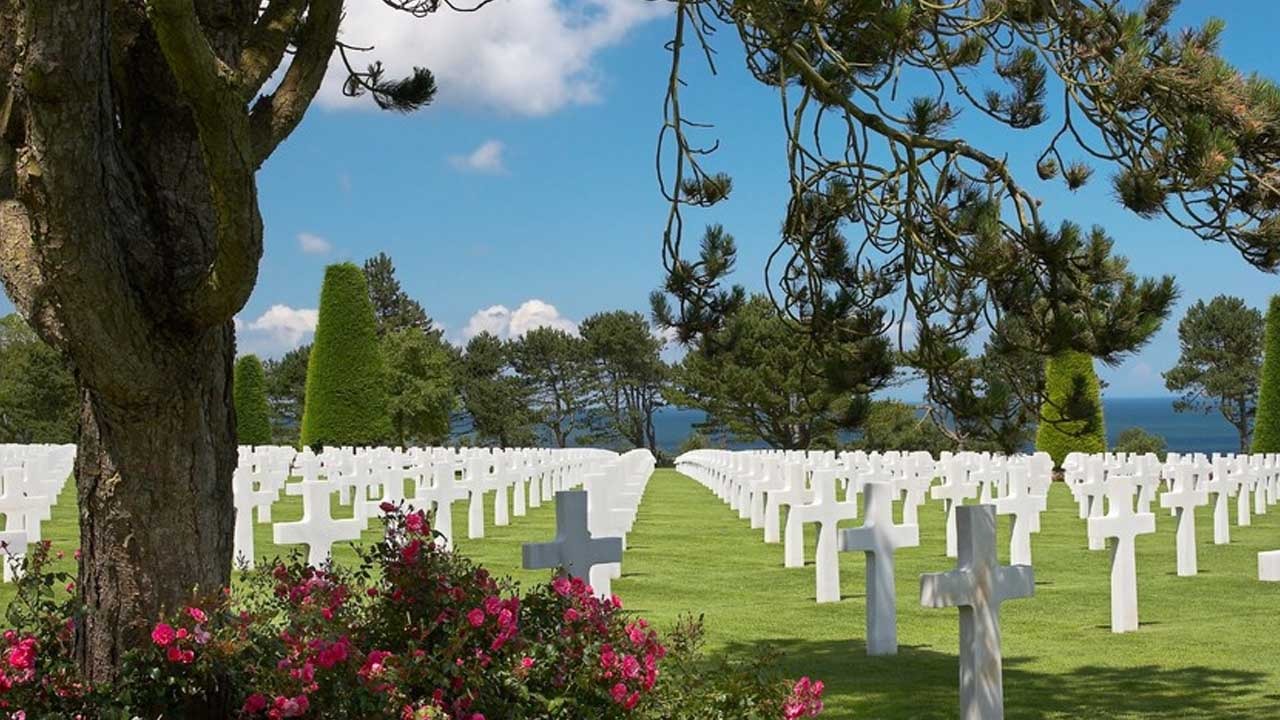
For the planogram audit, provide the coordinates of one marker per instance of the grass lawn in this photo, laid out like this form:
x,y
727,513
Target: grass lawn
x,y
1209,646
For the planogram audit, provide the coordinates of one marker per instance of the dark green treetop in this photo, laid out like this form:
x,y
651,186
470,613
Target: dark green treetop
x,y
1220,362
346,379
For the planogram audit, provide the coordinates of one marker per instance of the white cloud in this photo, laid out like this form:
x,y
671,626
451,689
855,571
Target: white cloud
x,y
535,314
527,57
508,324
278,330
485,159
494,320
313,244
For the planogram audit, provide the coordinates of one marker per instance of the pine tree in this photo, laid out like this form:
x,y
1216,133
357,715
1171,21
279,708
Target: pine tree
x,y
253,417
1266,429
392,306
1071,417
346,382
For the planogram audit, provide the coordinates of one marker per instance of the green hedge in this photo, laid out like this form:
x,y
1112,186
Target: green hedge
x,y
253,417
1071,417
1266,425
346,400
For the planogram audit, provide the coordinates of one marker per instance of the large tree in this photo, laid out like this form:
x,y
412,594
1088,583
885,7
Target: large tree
x,y
495,400
628,373
38,399
253,414
1220,362
761,384
554,368
420,390
346,373
131,134
894,202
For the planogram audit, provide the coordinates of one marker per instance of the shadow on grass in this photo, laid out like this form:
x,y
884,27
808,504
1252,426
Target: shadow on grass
x,y
922,684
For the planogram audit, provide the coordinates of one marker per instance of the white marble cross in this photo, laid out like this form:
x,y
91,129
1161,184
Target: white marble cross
x,y
918,470
242,489
1122,525
443,492
978,586
1091,492
317,529
1222,486
1025,509
476,481
826,510
795,495
953,491
574,549
879,538
1184,499
23,508
1244,479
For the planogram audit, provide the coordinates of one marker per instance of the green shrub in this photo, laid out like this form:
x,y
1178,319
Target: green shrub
x,y
346,401
896,425
253,417
1137,440
1071,416
1266,424
695,440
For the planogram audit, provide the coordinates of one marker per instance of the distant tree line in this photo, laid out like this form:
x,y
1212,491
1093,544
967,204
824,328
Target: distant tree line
x,y
754,377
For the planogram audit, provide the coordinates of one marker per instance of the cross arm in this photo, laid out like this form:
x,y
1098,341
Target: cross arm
x,y
1016,581
947,589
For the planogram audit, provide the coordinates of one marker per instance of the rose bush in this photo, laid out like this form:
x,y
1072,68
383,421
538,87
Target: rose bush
x,y
411,632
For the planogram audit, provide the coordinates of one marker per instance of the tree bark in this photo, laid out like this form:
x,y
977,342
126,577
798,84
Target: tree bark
x,y
155,501
130,236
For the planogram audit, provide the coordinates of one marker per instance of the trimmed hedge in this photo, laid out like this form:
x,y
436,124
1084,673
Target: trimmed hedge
x,y
1266,424
1071,417
346,400
249,388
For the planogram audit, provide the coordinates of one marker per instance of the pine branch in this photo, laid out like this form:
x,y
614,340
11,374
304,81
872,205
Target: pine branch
x,y
274,117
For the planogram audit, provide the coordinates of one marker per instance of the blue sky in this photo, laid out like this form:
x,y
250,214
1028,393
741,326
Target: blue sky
x,y
527,193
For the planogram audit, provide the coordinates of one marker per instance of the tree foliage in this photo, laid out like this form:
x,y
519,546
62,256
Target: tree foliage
x,y
1266,433
1140,442
891,203
253,417
346,379
762,384
419,386
556,372
628,373
495,400
896,425
392,306
1071,419
38,397
1220,362
287,393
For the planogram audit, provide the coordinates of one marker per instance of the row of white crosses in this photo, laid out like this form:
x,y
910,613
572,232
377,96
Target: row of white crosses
x,y
1129,485
823,488
428,478
977,586
32,478
592,523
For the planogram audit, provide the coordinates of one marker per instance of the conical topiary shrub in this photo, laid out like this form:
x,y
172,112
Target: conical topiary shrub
x,y
1071,417
346,401
1266,424
253,417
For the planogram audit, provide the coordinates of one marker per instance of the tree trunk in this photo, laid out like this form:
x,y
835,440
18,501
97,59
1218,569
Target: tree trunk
x,y
155,498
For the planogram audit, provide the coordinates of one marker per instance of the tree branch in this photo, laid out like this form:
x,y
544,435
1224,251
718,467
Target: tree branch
x,y
266,44
210,87
276,115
